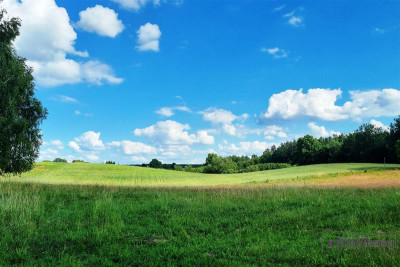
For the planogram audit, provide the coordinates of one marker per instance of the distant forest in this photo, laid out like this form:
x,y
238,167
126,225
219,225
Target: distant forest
x,y
366,144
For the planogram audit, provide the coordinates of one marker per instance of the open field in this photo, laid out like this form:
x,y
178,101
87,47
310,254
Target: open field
x,y
57,225
115,175
94,214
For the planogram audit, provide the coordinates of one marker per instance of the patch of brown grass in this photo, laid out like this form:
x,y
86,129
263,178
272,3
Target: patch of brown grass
x,y
376,179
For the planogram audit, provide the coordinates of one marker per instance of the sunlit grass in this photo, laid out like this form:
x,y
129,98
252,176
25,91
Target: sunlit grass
x,y
116,175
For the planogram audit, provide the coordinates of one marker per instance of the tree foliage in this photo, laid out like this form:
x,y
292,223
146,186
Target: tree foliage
x,y
20,112
155,163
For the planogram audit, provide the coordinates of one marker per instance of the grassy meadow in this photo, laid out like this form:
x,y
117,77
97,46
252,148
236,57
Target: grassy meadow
x,y
79,215
115,175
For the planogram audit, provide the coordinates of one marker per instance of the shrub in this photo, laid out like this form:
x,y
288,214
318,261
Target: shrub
x,y
60,160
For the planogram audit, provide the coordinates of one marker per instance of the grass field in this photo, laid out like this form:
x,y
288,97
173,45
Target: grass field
x,y
79,215
89,225
115,175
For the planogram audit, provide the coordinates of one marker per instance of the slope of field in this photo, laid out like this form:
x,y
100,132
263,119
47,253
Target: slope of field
x,y
115,175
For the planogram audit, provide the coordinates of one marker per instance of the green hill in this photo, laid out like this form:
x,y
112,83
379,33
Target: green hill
x,y
118,175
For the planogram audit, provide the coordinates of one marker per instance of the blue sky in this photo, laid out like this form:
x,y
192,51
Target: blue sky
x,y
129,80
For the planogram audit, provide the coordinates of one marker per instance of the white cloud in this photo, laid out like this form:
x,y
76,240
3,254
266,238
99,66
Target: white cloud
x,y
224,119
135,4
373,103
172,133
244,148
54,143
279,8
133,148
46,39
148,37
169,111
379,124
96,72
275,52
174,151
320,104
316,103
204,138
294,20
57,143
48,154
273,131
74,146
139,159
379,30
67,99
89,141
320,131
101,20
92,157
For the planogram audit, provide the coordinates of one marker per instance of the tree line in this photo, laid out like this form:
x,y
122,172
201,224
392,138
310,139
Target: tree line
x,y
369,144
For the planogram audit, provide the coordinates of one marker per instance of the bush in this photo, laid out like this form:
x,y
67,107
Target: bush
x,y
77,161
110,162
60,160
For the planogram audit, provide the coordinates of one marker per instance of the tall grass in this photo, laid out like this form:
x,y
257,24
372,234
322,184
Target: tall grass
x,y
86,225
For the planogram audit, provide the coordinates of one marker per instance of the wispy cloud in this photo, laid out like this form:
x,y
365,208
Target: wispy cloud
x,y
279,8
293,19
275,52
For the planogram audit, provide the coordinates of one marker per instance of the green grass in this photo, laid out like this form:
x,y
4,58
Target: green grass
x,y
115,175
94,214
56,225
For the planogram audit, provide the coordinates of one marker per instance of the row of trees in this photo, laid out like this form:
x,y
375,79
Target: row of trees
x,y
366,144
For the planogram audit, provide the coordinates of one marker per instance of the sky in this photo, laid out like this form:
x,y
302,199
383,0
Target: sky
x,y
133,80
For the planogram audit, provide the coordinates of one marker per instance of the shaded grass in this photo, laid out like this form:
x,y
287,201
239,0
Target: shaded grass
x,y
108,174
77,225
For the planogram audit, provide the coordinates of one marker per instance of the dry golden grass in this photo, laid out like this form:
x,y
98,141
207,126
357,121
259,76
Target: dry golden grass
x,y
374,179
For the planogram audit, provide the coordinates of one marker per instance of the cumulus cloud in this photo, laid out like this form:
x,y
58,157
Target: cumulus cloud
x,y
320,131
101,20
224,119
204,138
273,131
373,103
276,52
148,37
89,141
46,39
244,148
173,133
379,124
320,104
169,111
74,146
135,4
133,148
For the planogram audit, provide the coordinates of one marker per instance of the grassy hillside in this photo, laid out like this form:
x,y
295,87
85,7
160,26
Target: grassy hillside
x,y
48,225
104,174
